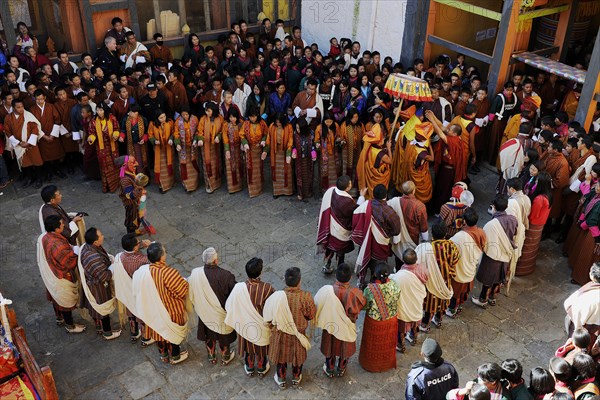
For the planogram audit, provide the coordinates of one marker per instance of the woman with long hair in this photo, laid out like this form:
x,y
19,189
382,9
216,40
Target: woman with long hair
x,y
380,330
540,210
209,141
254,137
305,154
186,126
329,157
535,169
531,156
280,139
232,142
194,51
350,139
161,137
104,132
257,100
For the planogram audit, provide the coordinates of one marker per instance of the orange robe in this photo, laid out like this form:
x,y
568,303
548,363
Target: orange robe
x,y
163,154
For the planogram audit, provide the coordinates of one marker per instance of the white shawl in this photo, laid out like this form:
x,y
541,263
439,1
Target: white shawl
x,y
103,309
130,61
587,165
151,310
470,257
335,229
412,295
497,245
64,292
585,307
435,284
403,241
206,304
20,151
331,315
244,318
72,225
123,285
373,229
277,311
512,159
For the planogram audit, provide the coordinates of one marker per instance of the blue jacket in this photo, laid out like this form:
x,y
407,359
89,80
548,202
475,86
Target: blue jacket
x,y
428,381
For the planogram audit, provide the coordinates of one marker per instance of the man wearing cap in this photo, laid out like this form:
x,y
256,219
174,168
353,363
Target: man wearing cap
x,y
432,377
152,101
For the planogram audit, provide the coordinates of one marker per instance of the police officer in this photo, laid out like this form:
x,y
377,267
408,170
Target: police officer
x,y
431,378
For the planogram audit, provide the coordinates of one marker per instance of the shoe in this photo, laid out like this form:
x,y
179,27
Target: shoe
x,y
451,313
5,184
424,328
60,321
249,372
263,372
296,381
75,328
134,338
60,174
182,357
327,269
27,182
281,384
410,339
400,348
226,360
112,335
341,372
37,184
459,309
492,302
328,373
164,357
478,302
147,342
436,322
560,239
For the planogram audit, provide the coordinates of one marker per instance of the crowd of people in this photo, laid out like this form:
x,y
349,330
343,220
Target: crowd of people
x,y
221,111
273,326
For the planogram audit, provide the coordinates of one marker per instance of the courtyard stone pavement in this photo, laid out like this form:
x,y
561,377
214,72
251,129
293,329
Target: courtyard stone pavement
x,y
526,325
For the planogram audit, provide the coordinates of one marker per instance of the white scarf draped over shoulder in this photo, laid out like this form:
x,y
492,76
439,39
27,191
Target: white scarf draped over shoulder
x,y
244,318
63,291
105,308
277,311
331,315
206,304
435,284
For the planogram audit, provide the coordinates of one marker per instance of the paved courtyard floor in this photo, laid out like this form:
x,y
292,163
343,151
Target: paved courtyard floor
x,y
526,325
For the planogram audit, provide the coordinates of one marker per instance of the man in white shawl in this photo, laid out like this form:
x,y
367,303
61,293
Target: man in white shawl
x,y
210,286
519,206
125,265
289,311
134,52
96,280
160,301
499,250
470,241
52,206
583,307
244,308
338,308
412,280
57,263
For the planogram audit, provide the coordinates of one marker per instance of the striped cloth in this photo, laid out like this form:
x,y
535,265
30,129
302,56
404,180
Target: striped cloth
x,y
172,289
447,256
281,175
212,171
254,170
286,348
234,170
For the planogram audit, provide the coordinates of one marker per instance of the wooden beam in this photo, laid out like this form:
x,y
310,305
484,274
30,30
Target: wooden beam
x,y
133,15
470,8
8,24
431,20
591,86
88,24
182,12
109,6
542,12
567,31
460,49
503,48
156,5
207,23
415,31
